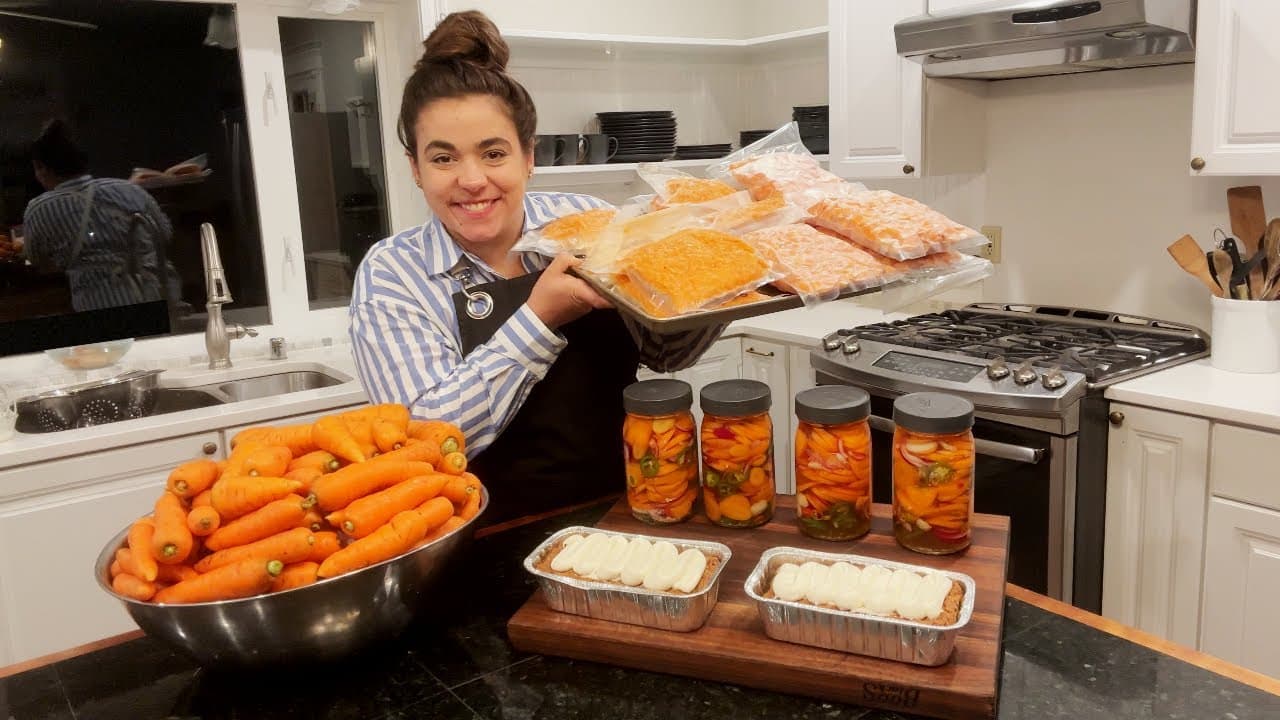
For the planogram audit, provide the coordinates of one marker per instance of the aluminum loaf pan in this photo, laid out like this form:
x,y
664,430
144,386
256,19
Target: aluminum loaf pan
x,y
854,632
632,605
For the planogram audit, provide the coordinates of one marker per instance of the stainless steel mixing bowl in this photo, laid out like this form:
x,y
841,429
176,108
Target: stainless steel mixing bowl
x,y
323,621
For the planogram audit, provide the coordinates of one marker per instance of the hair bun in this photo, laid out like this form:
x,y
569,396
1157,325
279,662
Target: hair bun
x,y
468,37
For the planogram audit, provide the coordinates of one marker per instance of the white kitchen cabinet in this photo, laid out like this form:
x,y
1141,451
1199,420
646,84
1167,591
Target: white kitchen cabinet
x,y
767,362
55,518
800,377
1157,487
1235,128
1241,584
1235,471
876,97
722,361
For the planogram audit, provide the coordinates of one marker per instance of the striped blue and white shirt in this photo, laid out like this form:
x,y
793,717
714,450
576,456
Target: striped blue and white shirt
x,y
97,277
404,330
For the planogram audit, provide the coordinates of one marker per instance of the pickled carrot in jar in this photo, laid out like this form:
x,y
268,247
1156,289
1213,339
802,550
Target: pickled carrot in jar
x,y
737,453
933,466
833,462
660,450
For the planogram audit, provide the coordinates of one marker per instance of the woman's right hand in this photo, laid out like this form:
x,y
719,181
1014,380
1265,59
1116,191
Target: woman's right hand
x,y
559,298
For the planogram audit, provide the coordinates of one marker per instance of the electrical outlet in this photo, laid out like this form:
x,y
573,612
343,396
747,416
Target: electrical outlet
x,y
995,234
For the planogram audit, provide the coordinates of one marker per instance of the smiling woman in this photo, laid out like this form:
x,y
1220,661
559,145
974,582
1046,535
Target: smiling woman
x,y
511,347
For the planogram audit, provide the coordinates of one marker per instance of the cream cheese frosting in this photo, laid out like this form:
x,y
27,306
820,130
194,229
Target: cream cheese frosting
x,y
634,562
872,589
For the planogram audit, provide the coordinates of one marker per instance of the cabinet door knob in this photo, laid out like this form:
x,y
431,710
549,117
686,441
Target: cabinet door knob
x,y
754,351
908,169
1197,163
1116,417
210,448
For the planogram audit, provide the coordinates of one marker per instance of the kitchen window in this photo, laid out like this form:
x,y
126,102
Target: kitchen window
x,y
274,261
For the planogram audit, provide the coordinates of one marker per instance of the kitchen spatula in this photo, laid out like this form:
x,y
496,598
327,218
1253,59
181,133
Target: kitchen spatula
x,y
1249,224
1191,258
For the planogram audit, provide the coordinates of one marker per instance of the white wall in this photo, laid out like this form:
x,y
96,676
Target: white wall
x,y
1088,176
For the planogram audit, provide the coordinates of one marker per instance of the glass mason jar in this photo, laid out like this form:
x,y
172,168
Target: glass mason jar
x,y
737,453
933,459
660,449
833,462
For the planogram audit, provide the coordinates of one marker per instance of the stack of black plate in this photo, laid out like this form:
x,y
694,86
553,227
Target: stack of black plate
x,y
814,125
746,137
643,135
702,152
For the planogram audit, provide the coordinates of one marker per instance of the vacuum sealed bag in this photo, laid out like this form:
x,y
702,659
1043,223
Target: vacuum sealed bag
x,y
816,266
892,225
694,269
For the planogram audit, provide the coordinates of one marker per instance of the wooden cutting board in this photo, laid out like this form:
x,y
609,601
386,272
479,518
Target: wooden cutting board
x,y
732,647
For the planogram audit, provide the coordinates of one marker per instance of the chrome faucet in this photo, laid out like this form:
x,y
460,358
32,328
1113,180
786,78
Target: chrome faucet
x,y
217,334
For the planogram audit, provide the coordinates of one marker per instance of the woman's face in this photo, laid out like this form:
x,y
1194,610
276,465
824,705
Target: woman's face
x,y
472,169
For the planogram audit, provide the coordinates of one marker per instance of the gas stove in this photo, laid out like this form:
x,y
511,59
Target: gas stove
x,y
1033,358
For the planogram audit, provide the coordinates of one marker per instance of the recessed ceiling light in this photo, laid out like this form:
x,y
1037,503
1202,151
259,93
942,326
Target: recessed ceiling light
x,y
1126,34
945,56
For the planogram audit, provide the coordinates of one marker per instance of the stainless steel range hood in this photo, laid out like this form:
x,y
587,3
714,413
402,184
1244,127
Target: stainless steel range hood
x,y
1026,38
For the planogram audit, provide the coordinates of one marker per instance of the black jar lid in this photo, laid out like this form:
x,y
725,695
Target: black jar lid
x,y
735,398
833,404
936,413
657,397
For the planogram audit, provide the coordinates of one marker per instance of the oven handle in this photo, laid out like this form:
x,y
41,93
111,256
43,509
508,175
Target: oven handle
x,y
990,448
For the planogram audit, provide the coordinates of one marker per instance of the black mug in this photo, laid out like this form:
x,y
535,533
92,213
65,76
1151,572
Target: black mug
x,y
547,150
600,148
568,149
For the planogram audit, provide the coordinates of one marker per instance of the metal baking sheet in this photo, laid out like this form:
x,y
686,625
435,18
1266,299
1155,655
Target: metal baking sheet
x,y
620,603
854,632
703,318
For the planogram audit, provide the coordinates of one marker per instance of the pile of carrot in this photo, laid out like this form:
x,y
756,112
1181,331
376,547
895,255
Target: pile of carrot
x,y
295,504
737,469
662,466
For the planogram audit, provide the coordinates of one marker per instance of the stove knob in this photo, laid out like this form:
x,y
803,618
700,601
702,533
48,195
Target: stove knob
x,y
998,370
831,342
850,346
1053,379
1025,374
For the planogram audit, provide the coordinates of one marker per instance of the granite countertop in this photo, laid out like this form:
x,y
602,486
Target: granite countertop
x,y
456,663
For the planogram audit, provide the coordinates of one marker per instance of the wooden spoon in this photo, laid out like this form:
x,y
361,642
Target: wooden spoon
x,y
1249,224
1271,253
1222,267
1189,257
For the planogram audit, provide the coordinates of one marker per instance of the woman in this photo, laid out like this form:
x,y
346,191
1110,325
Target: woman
x,y
526,358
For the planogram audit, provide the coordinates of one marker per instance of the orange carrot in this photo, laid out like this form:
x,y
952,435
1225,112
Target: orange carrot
x,y
129,563
436,511
326,544
331,433
192,478
388,436
133,587
140,535
235,462
274,517
337,490
396,537
444,437
457,490
306,476
322,460
314,521
170,574
367,514
203,499
289,546
115,568
171,543
203,520
295,437
268,461
390,412
455,463
295,575
445,528
240,495
471,507
245,578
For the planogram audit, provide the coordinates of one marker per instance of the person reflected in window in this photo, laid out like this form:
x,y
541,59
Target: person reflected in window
x,y
106,234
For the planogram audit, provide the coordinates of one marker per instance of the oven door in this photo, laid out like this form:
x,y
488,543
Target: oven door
x,y
1019,473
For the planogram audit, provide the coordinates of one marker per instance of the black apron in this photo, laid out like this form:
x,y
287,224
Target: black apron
x,y
564,445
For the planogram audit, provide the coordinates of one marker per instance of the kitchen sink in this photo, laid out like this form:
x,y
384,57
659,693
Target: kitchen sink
x,y
270,385
54,416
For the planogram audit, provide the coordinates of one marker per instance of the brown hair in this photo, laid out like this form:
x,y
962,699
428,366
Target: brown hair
x,y
465,55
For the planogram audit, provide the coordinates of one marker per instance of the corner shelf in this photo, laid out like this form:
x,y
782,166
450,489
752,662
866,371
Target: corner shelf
x,y
546,39
552,176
